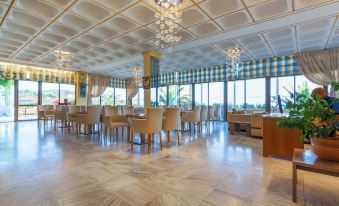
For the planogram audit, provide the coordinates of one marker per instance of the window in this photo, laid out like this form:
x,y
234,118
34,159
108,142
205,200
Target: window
x,y
185,96
27,100
236,94
50,93
255,94
107,98
216,95
201,94
162,95
303,85
173,95
138,100
67,91
120,96
283,86
6,100
96,100
153,97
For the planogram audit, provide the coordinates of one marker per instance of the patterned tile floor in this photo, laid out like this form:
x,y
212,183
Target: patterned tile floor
x,y
40,167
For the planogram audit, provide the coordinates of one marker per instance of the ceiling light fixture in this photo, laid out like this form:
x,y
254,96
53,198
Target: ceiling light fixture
x,y
62,58
233,59
169,18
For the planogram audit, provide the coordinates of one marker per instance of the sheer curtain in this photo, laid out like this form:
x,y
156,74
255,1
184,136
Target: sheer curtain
x,y
97,84
320,67
132,90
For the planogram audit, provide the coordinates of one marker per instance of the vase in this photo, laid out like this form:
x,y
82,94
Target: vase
x,y
326,148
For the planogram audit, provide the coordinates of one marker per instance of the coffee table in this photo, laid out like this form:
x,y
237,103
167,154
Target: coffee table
x,y
307,160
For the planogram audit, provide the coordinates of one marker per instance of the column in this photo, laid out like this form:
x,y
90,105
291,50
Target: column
x,y
151,68
81,88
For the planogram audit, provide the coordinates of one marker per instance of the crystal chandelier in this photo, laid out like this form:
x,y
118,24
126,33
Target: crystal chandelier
x,y
233,59
169,18
62,58
138,76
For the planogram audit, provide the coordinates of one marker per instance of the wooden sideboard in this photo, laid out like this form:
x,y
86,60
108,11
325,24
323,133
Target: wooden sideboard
x,y
279,142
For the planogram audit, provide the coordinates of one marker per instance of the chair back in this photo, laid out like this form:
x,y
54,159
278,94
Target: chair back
x,y
41,108
83,108
172,120
203,113
73,109
62,108
93,115
111,111
196,113
128,110
210,114
154,119
217,110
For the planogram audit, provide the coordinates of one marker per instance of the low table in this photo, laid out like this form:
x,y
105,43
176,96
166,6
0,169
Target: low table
x,y
307,160
234,127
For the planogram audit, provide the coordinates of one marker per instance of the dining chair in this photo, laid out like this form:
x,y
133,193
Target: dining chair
x,y
203,116
60,116
210,114
149,126
217,112
171,122
89,119
191,117
73,110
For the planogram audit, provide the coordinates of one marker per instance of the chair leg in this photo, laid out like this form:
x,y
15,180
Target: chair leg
x,y
148,142
160,140
117,133
131,139
128,134
168,138
99,129
122,135
110,134
105,132
178,138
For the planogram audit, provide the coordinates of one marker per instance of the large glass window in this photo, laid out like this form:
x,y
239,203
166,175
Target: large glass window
x,y
120,96
162,95
6,100
216,95
107,98
255,94
283,86
67,91
236,94
96,100
185,96
173,95
303,85
153,97
138,100
50,93
27,99
201,94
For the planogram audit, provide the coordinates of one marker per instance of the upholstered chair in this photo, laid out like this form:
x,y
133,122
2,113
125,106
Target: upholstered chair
x,y
61,116
217,112
149,126
171,122
111,111
128,110
203,116
191,117
89,119
73,110
45,113
113,121
210,114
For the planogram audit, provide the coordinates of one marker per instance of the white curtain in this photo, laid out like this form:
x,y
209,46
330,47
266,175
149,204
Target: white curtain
x,y
97,85
132,90
320,67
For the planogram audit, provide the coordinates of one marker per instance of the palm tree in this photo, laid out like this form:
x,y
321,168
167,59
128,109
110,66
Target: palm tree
x,y
173,95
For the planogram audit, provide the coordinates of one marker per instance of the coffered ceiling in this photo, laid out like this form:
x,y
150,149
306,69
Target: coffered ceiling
x,y
108,36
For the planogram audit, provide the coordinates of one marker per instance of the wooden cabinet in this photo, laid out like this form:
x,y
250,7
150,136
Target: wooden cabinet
x,y
279,142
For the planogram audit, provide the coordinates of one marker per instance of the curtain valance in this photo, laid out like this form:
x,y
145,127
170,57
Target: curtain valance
x,y
270,67
19,72
118,83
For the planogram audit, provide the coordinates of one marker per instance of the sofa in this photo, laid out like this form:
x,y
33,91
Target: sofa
x,y
250,121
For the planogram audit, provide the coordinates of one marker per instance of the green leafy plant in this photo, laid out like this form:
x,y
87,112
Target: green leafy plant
x,y
312,115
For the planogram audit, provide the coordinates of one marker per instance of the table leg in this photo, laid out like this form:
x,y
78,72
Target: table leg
x,y
294,182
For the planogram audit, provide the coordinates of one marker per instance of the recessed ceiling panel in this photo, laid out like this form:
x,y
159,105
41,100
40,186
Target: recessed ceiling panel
x,y
75,21
62,30
113,45
13,36
121,24
10,42
37,7
26,19
91,39
8,48
44,43
143,34
19,28
126,40
279,34
216,8
52,37
315,26
61,3
79,44
270,9
233,20
116,5
185,35
301,4
204,29
193,16
250,39
140,13
90,10
103,32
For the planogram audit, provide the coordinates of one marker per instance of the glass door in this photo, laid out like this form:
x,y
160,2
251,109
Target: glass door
x,y
27,100
6,100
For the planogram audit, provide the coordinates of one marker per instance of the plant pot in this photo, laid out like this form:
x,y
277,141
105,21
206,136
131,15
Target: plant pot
x,y
326,148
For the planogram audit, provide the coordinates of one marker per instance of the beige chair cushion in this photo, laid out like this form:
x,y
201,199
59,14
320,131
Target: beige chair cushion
x,y
172,119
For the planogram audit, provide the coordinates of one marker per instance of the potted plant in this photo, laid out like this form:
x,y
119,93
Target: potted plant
x,y
315,117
